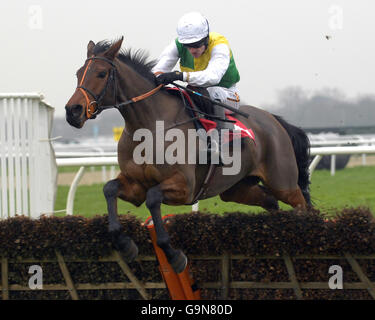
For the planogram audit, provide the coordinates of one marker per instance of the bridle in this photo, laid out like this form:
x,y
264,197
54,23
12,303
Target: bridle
x,y
91,111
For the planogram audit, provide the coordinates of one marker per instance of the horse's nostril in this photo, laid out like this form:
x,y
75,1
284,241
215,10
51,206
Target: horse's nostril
x,y
74,110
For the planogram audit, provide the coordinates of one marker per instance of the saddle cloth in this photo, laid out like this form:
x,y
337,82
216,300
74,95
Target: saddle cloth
x,y
241,131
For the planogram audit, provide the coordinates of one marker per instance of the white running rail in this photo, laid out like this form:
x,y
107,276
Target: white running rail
x,y
318,152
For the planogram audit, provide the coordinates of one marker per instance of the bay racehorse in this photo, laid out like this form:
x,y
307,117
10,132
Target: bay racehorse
x,y
273,167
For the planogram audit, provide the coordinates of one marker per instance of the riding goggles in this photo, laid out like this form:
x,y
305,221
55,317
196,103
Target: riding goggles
x,y
197,44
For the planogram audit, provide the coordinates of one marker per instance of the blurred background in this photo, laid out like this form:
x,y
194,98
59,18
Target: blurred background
x,y
309,61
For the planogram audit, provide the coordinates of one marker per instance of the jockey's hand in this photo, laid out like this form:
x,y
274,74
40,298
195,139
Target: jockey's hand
x,y
169,77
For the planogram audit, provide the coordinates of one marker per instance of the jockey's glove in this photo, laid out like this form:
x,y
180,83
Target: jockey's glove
x,y
169,77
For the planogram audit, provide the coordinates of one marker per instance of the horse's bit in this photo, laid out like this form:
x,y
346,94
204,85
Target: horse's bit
x,y
91,112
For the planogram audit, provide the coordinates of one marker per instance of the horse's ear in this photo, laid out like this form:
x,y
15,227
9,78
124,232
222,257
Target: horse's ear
x,y
90,49
113,50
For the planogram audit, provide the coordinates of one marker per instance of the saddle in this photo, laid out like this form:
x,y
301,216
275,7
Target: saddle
x,y
202,119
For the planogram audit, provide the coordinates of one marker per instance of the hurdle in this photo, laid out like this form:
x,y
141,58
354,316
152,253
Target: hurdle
x,y
181,286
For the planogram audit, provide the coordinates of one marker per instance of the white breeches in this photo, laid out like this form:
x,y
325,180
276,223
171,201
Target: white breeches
x,y
228,96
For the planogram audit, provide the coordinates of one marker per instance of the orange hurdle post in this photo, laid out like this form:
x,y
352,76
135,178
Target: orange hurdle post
x,y
180,286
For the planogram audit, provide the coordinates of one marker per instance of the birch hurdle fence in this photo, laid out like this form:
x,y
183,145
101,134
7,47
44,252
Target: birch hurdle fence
x,y
224,285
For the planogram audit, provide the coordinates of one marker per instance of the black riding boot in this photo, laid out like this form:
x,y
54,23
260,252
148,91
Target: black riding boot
x,y
216,140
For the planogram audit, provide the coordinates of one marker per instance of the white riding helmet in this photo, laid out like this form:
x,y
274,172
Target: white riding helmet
x,y
192,27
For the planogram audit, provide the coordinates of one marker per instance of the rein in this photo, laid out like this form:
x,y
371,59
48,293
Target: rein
x,y
92,111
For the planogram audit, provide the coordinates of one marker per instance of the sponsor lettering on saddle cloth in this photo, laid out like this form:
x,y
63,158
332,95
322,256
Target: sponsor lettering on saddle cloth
x,y
241,131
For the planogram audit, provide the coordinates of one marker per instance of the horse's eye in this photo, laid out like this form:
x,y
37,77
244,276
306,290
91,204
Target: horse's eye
x,y
102,74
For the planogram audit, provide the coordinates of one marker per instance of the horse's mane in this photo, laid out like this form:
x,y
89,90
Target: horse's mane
x,y
137,60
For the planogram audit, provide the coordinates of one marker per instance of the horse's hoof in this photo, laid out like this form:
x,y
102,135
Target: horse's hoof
x,y
179,262
131,251
125,246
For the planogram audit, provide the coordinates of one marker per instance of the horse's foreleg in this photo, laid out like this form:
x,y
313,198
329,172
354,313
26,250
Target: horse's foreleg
x,y
176,258
120,241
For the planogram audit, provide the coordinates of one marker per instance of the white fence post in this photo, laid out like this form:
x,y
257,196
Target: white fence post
x,y
72,191
195,207
333,164
28,170
364,159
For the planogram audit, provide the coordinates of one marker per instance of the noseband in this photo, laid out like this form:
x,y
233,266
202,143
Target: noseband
x,y
92,111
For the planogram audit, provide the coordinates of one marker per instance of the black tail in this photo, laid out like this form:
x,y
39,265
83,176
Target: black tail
x,y
301,146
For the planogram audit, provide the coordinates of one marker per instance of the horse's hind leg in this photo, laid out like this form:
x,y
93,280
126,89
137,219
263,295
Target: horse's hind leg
x,y
251,194
294,198
176,258
120,241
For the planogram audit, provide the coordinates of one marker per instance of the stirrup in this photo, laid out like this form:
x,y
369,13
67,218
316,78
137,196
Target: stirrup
x,y
213,149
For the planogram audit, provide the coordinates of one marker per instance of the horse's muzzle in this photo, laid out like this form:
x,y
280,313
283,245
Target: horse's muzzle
x,y
74,114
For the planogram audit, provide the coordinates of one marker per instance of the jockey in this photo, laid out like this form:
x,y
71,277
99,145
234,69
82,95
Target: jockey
x,y
206,61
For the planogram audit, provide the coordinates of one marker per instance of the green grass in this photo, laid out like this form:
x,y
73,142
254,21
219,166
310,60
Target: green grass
x,y
74,169
352,187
